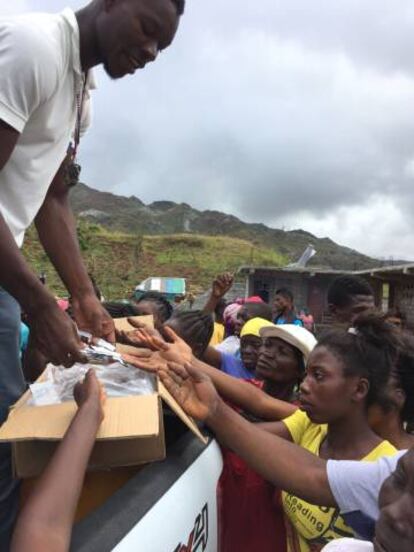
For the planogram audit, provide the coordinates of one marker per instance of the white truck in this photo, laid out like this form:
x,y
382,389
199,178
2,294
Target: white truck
x,y
169,506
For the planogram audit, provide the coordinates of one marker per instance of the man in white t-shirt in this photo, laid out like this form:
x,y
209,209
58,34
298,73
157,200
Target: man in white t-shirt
x,y
44,63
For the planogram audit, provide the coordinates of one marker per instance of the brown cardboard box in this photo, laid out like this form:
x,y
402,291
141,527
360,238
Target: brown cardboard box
x,y
122,324
132,432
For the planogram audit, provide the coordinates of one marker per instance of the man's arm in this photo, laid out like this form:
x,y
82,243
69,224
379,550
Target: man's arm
x,y
56,227
45,523
55,332
8,141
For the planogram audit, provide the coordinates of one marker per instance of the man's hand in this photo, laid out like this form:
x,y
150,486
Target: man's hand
x,y
193,390
222,284
55,335
91,316
91,394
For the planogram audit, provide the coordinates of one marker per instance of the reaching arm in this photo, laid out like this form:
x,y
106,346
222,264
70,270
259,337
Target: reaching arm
x,y
246,396
45,523
56,227
212,357
285,464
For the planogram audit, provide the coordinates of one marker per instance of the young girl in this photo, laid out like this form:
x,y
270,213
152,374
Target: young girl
x,y
346,373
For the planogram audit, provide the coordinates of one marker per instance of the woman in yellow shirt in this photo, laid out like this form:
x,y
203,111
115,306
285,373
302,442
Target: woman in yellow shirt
x,y
345,375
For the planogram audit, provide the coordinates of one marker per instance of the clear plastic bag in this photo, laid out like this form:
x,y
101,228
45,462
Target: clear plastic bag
x,y
119,380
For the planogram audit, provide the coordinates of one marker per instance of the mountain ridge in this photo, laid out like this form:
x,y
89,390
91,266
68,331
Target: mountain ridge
x,y
131,215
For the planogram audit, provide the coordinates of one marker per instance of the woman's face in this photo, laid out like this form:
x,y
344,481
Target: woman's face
x,y
278,361
249,351
242,318
395,528
326,394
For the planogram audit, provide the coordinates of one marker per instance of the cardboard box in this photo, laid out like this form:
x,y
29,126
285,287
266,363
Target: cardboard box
x,y
122,324
132,432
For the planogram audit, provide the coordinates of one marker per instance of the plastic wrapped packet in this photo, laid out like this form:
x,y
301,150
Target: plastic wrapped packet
x,y
119,380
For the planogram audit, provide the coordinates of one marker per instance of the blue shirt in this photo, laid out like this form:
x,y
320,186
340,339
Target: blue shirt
x,y
234,367
295,321
24,337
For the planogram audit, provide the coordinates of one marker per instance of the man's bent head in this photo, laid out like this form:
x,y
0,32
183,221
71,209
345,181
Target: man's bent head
x,y
131,33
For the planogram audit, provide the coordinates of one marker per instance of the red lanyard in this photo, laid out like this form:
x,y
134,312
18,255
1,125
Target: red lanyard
x,y
80,101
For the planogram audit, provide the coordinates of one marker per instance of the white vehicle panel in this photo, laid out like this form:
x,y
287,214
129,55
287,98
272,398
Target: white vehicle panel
x,y
185,518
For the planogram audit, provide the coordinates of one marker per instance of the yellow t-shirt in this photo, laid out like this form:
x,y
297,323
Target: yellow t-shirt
x,y
218,334
309,527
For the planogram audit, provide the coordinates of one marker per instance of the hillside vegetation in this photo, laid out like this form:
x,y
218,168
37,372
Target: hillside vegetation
x,y
120,261
131,215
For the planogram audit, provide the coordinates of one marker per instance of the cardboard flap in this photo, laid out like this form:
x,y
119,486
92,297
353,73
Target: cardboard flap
x,y
173,404
122,324
128,349
125,417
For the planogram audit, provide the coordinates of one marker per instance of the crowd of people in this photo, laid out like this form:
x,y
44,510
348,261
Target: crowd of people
x,y
314,428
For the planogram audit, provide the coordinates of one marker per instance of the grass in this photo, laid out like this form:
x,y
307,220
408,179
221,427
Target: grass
x,y
121,261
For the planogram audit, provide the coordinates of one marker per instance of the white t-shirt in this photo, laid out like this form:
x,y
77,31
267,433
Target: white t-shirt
x,y
348,545
40,77
356,487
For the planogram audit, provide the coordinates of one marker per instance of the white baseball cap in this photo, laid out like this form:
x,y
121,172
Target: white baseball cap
x,y
297,336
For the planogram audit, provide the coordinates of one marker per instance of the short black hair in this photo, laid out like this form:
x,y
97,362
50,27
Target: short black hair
x,y
286,293
344,288
258,310
164,307
369,349
180,5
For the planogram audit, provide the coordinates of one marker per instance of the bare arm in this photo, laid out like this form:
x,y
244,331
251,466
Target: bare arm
x,y
54,331
45,523
247,396
285,464
221,285
212,357
56,227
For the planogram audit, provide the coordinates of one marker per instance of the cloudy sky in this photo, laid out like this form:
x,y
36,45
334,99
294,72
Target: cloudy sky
x,y
293,113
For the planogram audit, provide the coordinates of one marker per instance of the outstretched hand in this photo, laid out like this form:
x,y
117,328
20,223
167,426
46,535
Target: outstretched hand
x,y
90,392
193,390
176,350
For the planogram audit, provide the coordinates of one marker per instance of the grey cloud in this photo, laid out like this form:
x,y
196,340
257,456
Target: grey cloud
x,y
275,111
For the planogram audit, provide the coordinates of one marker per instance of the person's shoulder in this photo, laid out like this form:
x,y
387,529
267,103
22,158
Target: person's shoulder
x,y
302,430
32,45
227,359
27,35
385,448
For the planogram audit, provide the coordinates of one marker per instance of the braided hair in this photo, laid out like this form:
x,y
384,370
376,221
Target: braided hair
x,y
369,349
195,327
164,307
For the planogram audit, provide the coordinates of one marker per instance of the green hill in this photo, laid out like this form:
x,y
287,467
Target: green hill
x,y
120,261
130,215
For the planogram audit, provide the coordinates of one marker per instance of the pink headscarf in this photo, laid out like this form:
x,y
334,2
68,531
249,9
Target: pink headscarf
x,y
230,314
